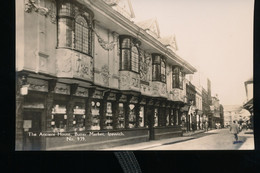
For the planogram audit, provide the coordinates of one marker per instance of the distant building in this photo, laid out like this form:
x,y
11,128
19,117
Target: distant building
x,y
231,113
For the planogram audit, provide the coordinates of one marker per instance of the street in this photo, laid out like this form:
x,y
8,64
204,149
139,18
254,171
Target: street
x,y
219,139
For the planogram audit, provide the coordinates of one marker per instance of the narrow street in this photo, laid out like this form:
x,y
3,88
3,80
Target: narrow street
x,y
219,139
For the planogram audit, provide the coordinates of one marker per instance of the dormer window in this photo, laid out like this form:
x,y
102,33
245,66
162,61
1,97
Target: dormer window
x,y
177,77
129,54
159,68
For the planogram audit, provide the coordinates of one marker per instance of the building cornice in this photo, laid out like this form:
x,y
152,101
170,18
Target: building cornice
x,y
136,31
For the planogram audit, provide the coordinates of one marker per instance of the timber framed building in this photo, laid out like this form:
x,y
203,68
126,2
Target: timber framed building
x,y
83,66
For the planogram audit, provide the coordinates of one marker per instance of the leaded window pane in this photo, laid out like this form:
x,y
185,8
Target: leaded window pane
x,y
157,60
65,32
176,77
156,72
81,35
135,59
65,9
125,64
126,43
163,72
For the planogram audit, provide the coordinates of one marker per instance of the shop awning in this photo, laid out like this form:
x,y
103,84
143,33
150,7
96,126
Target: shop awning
x,y
249,105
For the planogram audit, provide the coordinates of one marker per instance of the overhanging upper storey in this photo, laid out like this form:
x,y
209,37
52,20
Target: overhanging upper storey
x,y
112,20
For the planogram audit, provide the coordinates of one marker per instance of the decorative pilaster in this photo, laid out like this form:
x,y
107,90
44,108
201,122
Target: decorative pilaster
x,y
88,119
103,111
116,111
19,122
127,111
49,103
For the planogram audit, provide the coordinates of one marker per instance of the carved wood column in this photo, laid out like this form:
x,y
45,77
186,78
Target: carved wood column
x,y
49,103
88,119
19,121
116,111
127,111
103,111
137,112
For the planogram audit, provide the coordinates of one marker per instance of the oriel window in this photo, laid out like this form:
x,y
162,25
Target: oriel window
x,y
177,77
74,29
159,68
129,57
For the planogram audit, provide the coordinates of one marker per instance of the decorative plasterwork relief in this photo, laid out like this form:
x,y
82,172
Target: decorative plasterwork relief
x,y
105,74
163,89
31,5
177,94
145,62
74,64
62,89
129,80
81,92
105,44
37,85
146,89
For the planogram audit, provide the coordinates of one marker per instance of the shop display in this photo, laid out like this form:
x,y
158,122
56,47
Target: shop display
x,y
109,121
95,107
79,118
121,116
59,118
132,116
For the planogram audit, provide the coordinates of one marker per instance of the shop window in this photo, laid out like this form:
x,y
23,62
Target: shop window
x,y
155,117
59,118
167,118
74,30
159,68
95,110
121,116
177,77
79,118
141,116
129,58
172,118
109,120
132,116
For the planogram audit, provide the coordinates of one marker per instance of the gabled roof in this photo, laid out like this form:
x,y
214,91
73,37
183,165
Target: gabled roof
x,y
151,25
169,41
126,5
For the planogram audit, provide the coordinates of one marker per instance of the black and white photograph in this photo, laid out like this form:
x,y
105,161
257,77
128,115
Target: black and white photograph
x,y
137,75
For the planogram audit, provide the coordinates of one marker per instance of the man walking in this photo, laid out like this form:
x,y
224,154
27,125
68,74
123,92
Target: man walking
x,y
234,129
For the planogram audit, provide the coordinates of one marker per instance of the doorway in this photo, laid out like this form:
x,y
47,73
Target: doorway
x,y
31,129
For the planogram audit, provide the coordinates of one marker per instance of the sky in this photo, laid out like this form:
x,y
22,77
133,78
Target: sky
x,y
215,36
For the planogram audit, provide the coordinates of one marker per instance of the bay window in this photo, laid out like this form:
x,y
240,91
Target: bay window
x,y
129,54
159,68
74,29
177,77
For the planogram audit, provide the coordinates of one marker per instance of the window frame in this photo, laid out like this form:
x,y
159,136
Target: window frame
x,y
178,77
133,44
158,65
74,12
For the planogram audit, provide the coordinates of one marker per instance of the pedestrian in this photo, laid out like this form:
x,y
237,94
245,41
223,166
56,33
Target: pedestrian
x,y
234,129
206,125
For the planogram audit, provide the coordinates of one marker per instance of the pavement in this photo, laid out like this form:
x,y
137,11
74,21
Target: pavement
x,y
216,139
151,144
249,143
